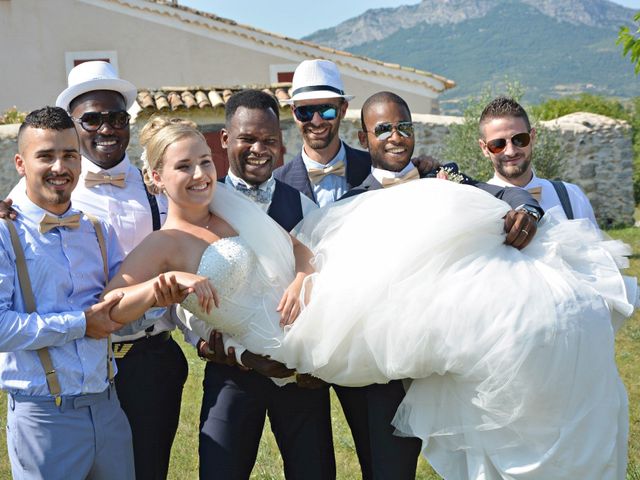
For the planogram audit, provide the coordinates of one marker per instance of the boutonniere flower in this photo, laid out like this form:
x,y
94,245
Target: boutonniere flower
x,y
447,173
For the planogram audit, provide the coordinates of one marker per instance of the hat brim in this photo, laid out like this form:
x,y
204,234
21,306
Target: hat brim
x,y
317,95
125,88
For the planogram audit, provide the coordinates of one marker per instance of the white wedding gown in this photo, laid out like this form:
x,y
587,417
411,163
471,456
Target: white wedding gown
x,y
511,352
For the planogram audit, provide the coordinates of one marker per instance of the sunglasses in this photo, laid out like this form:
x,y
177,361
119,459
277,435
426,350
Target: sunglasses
x,y
326,112
383,131
92,121
498,145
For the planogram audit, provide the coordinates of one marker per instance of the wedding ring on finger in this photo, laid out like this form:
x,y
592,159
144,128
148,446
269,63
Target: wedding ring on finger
x,y
525,232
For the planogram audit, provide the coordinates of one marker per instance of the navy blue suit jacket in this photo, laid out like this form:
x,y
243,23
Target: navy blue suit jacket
x,y
294,173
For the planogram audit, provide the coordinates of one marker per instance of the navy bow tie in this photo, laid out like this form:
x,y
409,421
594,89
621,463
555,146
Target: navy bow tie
x,y
255,194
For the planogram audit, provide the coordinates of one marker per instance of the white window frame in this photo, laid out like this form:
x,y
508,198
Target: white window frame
x,y
71,57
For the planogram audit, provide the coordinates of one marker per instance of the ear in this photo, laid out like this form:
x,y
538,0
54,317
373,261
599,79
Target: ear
x,y
483,147
533,136
19,162
157,180
343,109
364,141
224,138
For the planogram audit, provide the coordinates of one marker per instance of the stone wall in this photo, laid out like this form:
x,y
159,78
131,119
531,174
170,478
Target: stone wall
x,y
598,152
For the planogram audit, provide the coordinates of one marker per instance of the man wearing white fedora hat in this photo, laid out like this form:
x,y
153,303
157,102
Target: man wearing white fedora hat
x,y
151,366
326,168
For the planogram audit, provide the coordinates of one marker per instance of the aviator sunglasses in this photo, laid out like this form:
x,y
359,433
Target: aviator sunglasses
x,y
383,131
326,112
92,121
497,145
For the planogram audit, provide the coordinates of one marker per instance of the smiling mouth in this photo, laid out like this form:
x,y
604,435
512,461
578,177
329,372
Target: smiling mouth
x,y
396,150
106,143
58,181
258,162
200,187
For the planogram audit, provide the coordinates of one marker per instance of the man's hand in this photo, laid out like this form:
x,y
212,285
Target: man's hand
x,y
305,380
6,209
425,164
213,351
520,228
98,318
265,366
168,292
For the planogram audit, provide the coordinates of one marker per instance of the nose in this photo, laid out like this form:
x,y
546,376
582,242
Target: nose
x,y
510,150
316,119
105,128
58,165
395,134
258,147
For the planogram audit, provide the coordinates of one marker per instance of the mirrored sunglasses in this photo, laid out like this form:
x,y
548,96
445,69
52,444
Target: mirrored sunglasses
x,y
383,131
92,121
326,112
520,140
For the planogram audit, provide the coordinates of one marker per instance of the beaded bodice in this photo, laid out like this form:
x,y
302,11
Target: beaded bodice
x,y
228,264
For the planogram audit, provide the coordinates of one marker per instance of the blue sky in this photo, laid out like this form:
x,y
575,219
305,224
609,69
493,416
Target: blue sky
x,y
297,18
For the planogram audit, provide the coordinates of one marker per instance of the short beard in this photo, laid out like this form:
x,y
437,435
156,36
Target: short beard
x,y
320,144
514,171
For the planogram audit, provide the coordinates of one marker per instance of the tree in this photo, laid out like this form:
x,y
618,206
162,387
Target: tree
x,y
461,145
631,43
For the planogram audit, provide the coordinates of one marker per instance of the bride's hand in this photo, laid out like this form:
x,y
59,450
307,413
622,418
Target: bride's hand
x,y
201,287
289,306
168,292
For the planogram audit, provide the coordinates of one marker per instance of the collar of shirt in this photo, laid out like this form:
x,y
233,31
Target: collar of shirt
x,y
534,182
122,167
331,187
31,214
233,181
379,173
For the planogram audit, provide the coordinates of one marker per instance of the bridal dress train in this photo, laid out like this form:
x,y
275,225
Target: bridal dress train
x,y
511,352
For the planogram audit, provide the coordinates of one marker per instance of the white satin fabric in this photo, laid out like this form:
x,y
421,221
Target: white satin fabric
x,y
512,351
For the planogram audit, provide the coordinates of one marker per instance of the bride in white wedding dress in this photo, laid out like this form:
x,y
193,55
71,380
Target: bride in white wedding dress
x,y
511,352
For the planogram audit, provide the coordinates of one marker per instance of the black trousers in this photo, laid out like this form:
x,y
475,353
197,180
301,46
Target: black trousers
x,y
393,457
149,384
234,406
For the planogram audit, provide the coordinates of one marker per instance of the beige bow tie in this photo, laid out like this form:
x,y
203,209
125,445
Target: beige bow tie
x,y
317,174
49,221
92,179
536,193
410,175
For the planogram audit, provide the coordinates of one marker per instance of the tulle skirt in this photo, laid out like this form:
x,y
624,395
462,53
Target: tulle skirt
x,y
511,352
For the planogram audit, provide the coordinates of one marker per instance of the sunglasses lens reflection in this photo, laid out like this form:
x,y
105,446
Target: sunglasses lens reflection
x,y
383,131
92,121
326,112
520,140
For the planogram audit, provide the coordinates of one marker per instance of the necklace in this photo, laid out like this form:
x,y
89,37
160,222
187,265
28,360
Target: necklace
x,y
206,223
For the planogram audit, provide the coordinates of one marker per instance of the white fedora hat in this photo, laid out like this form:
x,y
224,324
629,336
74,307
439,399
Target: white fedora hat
x,y
315,79
95,75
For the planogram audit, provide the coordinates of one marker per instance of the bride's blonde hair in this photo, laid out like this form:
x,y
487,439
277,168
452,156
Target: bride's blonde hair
x,y
156,136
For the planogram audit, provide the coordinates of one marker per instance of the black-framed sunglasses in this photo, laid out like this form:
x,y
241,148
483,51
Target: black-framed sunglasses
x,y
92,121
519,140
383,131
306,112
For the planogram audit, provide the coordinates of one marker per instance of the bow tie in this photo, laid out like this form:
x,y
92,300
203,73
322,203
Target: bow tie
x,y
317,174
410,175
49,221
255,194
92,179
536,193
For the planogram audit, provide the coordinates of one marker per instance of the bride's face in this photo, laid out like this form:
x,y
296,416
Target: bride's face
x,y
188,175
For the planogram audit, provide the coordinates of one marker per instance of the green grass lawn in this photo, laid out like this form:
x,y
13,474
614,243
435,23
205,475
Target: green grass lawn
x,y
184,459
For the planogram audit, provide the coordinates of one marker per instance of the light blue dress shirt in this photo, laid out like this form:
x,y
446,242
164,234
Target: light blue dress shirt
x,y
67,276
332,187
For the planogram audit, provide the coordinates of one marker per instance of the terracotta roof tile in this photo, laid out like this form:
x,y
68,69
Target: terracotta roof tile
x,y
192,98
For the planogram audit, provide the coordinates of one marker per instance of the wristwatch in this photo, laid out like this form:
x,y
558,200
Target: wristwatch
x,y
528,209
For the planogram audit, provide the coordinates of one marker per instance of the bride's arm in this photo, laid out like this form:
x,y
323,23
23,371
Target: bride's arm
x,y
141,276
289,306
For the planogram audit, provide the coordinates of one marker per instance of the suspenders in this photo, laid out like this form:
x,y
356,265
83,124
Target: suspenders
x,y
153,204
563,195
30,304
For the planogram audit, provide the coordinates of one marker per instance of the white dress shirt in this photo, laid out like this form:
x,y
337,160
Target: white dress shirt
x,y
549,198
332,187
127,210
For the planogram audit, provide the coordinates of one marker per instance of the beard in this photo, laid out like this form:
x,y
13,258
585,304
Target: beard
x,y
514,171
320,143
